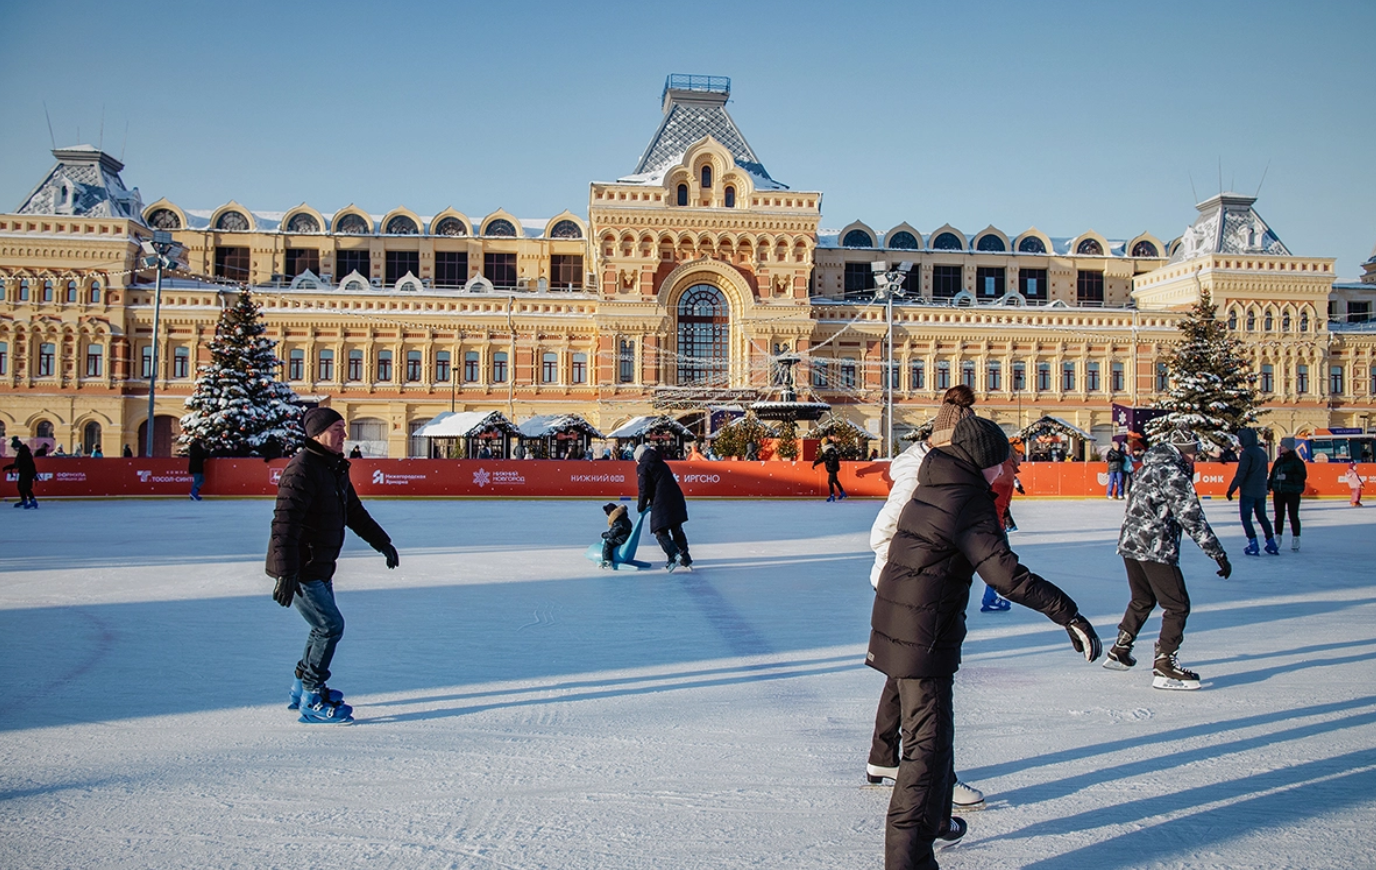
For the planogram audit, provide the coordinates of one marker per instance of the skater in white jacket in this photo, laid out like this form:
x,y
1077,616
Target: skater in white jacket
x,y
956,404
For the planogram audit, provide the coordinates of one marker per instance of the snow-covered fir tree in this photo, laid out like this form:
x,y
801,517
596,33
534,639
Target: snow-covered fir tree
x,y
1211,381
239,408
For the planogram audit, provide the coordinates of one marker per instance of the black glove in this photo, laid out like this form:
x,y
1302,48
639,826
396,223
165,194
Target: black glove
x,y
285,590
391,554
1017,484
1225,568
1083,638
1230,495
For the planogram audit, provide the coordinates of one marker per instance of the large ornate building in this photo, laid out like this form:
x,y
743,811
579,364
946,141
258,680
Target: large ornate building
x,y
688,277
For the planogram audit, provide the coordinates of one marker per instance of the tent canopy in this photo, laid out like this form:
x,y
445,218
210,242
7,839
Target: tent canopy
x,y
545,425
836,424
1049,425
639,427
466,424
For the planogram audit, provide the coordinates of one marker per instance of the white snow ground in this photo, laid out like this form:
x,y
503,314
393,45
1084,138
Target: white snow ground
x,y
519,708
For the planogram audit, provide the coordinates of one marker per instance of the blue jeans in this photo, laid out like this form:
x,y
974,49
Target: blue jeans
x,y
1115,483
197,481
315,602
1250,507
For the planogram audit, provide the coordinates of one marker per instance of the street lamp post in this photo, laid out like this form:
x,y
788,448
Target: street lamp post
x,y
888,284
159,253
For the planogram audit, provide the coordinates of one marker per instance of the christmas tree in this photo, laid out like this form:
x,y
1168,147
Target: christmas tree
x,y
239,408
1211,381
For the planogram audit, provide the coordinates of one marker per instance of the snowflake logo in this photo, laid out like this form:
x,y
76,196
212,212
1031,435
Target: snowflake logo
x,y
481,477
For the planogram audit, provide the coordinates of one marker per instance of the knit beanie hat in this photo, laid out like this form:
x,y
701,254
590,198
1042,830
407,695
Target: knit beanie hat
x,y
980,441
317,420
1287,443
1183,440
608,508
955,406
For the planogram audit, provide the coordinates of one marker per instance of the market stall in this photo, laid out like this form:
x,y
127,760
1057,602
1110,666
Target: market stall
x,y
469,435
664,433
558,436
1051,439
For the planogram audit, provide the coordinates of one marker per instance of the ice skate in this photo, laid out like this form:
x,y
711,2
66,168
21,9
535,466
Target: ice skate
x,y
951,833
1167,674
876,774
964,797
1252,548
998,605
317,710
296,691
831,498
1119,657
671,566
1272,548
1294,543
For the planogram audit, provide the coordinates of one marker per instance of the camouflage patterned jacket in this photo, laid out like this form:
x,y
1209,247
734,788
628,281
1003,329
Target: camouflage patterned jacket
x,y
1162,503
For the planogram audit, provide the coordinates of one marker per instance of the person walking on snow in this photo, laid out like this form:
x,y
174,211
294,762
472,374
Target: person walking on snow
x,y
829,456
948,531
1162,503
618,531
1286,483
26,470
315,503
1250,478
888,718
668,509
1353,478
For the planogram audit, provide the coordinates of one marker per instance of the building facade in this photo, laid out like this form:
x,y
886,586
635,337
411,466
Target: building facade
x,y
688,277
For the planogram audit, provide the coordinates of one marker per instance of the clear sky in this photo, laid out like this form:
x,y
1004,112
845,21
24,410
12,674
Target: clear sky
x,y
1067,116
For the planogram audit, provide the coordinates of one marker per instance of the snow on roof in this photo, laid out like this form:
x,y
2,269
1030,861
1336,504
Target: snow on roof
x,y
1227,224
85,182
465,424
1060,245
1053,424
543,425
638,426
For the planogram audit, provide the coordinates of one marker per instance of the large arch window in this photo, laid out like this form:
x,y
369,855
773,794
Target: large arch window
x,y
353,225
730,197
500,227
1090,248
947,242
1145,249
90,437
401,225
857,239
990,242
706,178
566,229
450,226
682,194
704,320
303,223
1031,245
164,219
903,241
232,221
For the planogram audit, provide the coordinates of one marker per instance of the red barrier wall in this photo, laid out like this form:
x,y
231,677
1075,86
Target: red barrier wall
x,y
87,478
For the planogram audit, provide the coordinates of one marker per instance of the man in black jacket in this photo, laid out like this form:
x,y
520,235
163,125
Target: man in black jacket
x,y
668,509
27,470
947,532
196,455
315,502
830,457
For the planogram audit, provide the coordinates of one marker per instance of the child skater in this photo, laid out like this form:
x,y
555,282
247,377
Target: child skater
x,y
618,531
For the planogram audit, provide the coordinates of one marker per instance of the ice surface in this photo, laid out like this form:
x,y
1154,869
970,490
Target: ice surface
x,y
519,708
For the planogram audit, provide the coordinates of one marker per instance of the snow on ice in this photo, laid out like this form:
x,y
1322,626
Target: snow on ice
x,y
519,708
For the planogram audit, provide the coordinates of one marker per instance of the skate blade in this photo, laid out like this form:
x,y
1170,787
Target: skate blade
x,y
1110,664
965,808
1177,685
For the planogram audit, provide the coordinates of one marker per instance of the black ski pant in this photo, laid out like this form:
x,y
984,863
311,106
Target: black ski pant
x,y
1287,502
1150,584
888,721
25,485
834,484
921,802
675,544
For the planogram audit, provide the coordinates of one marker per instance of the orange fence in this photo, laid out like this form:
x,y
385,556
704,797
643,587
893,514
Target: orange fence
x,y
481,478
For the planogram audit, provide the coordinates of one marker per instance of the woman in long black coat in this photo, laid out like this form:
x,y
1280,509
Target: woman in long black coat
x,y
668,509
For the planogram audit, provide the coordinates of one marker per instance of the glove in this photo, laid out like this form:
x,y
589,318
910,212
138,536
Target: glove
x,y
1083,638
1017,484
1230,496
392,556
1225,568
285,590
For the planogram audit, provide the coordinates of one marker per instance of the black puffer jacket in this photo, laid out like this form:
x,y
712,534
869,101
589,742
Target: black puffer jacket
x,y
315,501
1288,474
23,463
1250,476
659,491
949,531
829,457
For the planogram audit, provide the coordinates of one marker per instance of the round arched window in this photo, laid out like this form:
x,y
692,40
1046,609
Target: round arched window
x,y
857,239
233,222
1031,245
730,197
704,328
1145,249
450,226
990,242
566,229
1090,248
947,242
354,225
303,223
164,219
903,241
401,225
500,227
682,194
706,178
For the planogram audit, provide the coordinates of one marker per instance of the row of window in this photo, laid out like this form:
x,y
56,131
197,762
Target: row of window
x,y
354,224
413,371
1017,381
990,283
1268,321
50,290
728,195
450,270
987,243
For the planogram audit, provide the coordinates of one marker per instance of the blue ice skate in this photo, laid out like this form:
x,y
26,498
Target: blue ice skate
x,y
294,696
315,710
623,557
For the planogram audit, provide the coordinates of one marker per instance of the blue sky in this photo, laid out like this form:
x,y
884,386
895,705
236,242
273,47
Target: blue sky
x,y
1064,115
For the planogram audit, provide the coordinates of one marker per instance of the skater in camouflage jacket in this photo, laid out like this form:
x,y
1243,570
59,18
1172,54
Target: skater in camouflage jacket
x,y
1161,505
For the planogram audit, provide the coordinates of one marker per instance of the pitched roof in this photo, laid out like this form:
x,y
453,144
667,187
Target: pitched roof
x,y
84,182
1227,224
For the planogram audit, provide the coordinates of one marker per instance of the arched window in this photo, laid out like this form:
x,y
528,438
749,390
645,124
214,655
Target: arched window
x,y
1304,321
990,242
706,177
354,225
23,289
1145,249
401,225
1268,322
1251,321
71,292
857,239
1232,320
947,242
43,429
47,289
704,321
90,437
1031,245
164,219
451,226
303,223
95,293
1285,322
1089,248
232,221
683,194
566,229
730,197
903,241
500,227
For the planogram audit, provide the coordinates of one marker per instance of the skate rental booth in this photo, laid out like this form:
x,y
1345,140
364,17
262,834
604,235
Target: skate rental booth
x,y
616,479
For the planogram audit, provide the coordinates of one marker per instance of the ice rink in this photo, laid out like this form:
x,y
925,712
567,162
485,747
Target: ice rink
x,y
519,708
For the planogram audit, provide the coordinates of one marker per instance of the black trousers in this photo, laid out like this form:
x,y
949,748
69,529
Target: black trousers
x,y
1153,583
834,484
921,802
674,543
1287,502
888,721
25,487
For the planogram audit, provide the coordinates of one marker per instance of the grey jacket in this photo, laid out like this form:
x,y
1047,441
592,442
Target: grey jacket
x,y
1250,476
1161,504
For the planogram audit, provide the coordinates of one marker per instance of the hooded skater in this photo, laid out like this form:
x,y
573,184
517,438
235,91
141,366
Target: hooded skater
x,y
1249,481
1162,503
1288,476
315,503
948,531
830,457
668,510
618,532
25,468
